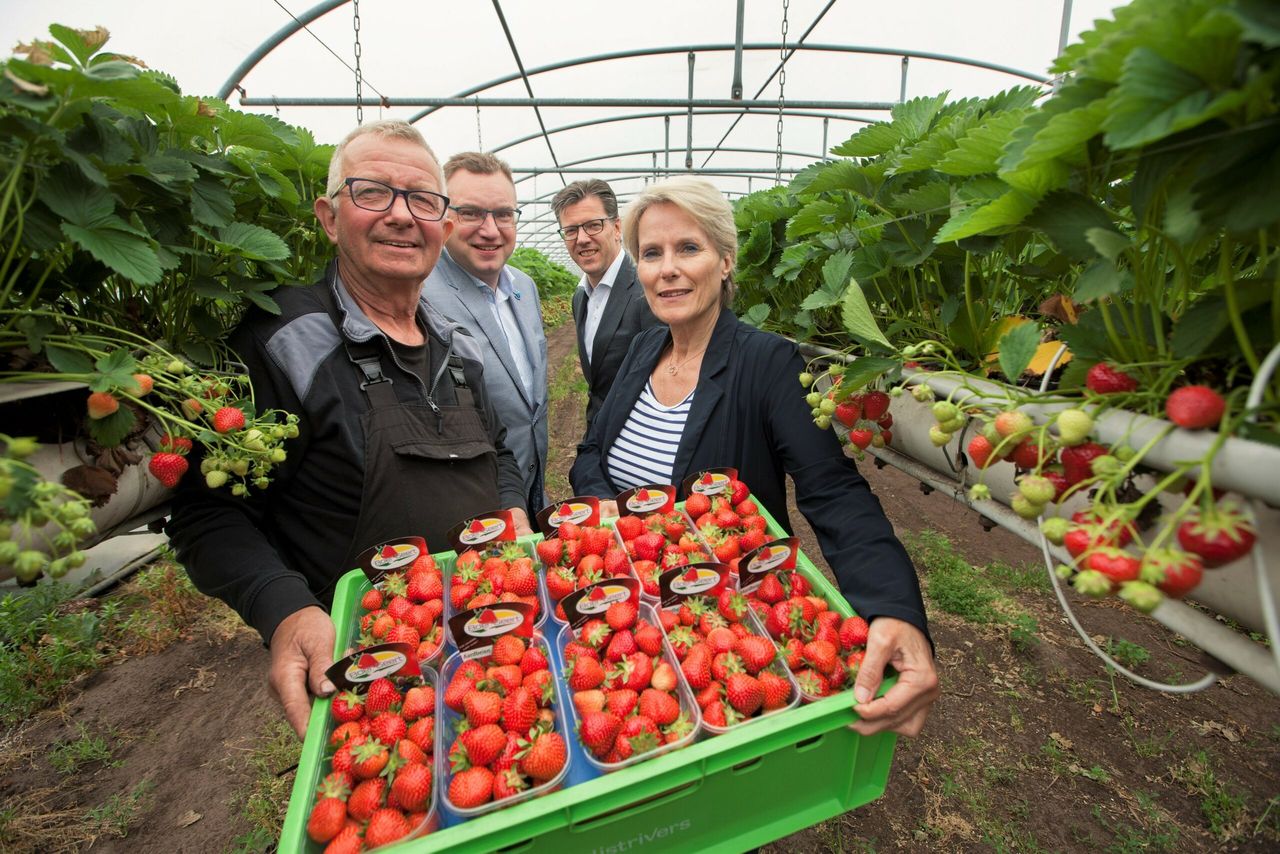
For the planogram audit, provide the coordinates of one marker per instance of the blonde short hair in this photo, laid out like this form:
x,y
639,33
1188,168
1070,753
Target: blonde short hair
x,y
700,200
388,129
477,163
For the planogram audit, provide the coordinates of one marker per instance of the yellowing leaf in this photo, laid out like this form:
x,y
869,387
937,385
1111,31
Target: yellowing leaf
x,y
1044,356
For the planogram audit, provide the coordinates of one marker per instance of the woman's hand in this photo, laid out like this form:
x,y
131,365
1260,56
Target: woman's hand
x,y
905,706
608,508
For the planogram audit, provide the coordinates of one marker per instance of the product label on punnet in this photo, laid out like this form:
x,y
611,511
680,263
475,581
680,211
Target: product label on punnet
x,y
395,555
594,599
696,579
356,671
710,481
757,563
580,510
475,630
496,525
651,498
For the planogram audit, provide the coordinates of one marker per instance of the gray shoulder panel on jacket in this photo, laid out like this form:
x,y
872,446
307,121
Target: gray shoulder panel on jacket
x,y
301,346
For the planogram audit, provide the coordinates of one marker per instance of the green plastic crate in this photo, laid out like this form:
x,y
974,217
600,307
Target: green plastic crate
x,y
750,786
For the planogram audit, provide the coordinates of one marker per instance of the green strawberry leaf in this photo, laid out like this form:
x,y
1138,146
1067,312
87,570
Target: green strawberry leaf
x,y
130,256
111,431
757,315
115,370
67,361
1017,348
858,319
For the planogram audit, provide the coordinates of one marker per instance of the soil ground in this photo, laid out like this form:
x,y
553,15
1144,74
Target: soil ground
x,y
1033,746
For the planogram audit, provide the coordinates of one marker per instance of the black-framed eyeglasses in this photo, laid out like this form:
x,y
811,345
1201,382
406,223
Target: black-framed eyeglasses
x,y
471,215
374,195
591,226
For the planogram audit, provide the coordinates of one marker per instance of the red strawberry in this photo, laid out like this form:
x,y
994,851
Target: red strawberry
x,y
176,444
347,707
1116,564
848,413
519,711
550,551
481,746
584,673
508,649
621,615
1077,461
874,405
1221,535
743,693
1174,571
387,727
853,633
1027,455
412,787
366,798
821,655
620,702
598,731
228,418
101,404
368,759
981,451
168,468
659,705
1195,407
372,599
419,702
545,756
776,690
471,788
382,694
1104,378
329,815
756,652
860,438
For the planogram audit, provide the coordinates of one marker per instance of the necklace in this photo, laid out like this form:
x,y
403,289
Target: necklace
x,y
673,366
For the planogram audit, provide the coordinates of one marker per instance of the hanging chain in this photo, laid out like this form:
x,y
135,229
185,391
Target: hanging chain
x,y
355,5
479,144
782,83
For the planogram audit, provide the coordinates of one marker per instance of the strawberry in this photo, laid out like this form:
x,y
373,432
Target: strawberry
x,y
648,639
588,701
1104,378
144,383
545,756
621,645
848,413
584,673
412,787
560,583
660,706
621,702
386,826
508,649
508,782
480,746
621,615
366,798
176,444
533,660
1195,407
981,451
471,787
744,693
1012,423
860,438
387,727
695,505
821,655
776,690
347,707
648,546
167,468
1175,572
368,759
874,405
382,694
1027,454
372,599
598,731
1116,564
228,418
329,815
1077,461
519,711
853,633
1218,536
101,404
756,652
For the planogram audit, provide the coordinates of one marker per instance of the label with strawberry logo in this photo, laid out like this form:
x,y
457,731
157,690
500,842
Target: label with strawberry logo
x,y
356,671
474,631
710,481
651,498
594,599
756,564
496,525
580,510
389,556
695,579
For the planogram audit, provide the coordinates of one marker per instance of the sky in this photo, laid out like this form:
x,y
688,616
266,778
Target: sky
x,y
424,48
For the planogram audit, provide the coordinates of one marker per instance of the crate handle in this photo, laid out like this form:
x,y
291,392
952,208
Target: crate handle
x,y
516,846
684,790
810,743
749,765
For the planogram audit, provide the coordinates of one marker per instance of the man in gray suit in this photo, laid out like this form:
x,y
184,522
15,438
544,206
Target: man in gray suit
x,y
498,304
609,308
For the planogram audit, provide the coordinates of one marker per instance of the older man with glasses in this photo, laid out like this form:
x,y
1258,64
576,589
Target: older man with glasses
x,y
473,285
396,434
609,308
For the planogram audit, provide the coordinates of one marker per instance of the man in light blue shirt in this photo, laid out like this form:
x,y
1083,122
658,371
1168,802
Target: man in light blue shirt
x,y
498,304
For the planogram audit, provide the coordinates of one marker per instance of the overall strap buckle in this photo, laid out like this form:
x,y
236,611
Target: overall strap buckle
x,y
371,367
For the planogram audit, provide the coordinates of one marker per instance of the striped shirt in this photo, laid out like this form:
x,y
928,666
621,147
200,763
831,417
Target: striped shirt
x,y
645,450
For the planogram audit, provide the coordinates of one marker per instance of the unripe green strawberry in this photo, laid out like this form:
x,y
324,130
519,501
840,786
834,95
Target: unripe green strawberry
x,y
896,391
922,393
1054,529
239,468
1123,453
215,479
945,410
76,558
1074,426
813,399
827,406
239,490
1105,465
836,370
979,492
1091,583
176,366
1037,489
8,550
1141,595
938,437
823,421
22,446
57,568
954,425
278,455
806,379
1024,508
29,564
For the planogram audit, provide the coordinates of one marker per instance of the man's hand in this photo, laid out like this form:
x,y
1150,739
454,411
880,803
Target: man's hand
x,y
301,651
905,706
608,508
521,520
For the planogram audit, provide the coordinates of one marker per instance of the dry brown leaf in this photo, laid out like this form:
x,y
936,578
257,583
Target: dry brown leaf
x,y
1061,740
189,818
94,38
26,85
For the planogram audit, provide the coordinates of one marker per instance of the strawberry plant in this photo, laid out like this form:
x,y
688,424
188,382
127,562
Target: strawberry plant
x,y
136,225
